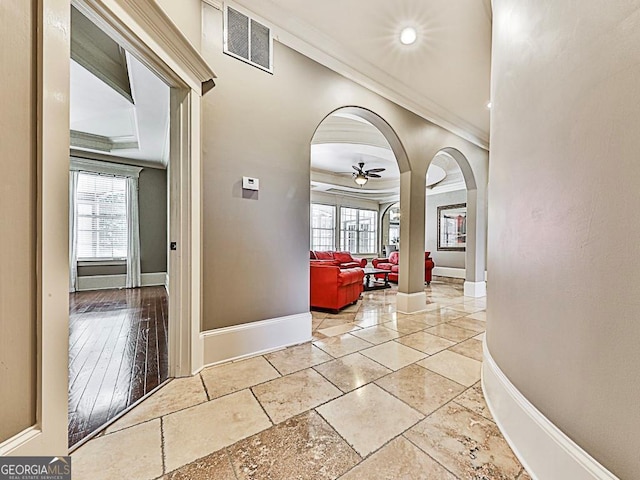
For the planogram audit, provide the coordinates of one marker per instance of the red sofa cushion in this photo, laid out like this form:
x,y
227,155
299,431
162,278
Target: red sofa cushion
x,y
395,268
394,257
324,255
324,263
349,265
343,257
347,276
384,266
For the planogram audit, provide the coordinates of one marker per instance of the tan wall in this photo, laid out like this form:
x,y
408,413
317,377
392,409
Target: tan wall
x,y
254,124
563,223
187,15
17,218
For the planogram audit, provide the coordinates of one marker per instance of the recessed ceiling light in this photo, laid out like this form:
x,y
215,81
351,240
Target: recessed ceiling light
x,y
489,105
408,36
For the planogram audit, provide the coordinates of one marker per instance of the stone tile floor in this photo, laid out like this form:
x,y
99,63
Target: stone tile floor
x,y
376,395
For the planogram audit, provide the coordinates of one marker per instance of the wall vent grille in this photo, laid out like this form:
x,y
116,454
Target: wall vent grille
x,y
247,40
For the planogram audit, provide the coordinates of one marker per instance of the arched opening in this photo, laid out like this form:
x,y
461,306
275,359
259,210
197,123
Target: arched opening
x,y
356,161
452,226
390,229
354,176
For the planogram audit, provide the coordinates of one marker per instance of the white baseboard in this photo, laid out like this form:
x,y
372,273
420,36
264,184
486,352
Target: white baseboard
x,y
256,338
475,289
411,302
452,272
449,272
104,282
13,445
541,447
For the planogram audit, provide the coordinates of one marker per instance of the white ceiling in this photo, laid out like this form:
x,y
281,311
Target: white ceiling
x,y
139,131
443,77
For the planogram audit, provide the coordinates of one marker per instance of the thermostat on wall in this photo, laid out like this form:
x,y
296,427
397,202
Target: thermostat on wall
x,y
249,183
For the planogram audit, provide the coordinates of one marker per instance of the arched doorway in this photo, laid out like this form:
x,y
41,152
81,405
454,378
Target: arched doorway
x,y
470,226
356,161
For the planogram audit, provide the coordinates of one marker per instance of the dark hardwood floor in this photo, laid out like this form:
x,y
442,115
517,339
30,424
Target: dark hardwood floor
x,y
118,352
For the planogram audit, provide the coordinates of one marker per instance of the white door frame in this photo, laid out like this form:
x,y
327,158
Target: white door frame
x,y
143,28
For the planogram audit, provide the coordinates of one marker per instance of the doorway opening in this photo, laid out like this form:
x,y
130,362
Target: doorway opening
x,y
118,217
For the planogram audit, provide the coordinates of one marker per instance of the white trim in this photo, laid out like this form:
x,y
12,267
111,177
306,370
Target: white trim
x,y
475,289
155,37
449,272
106,282
105,168
543,449
102,263
51,146
256,338
411,302
18,440
217,4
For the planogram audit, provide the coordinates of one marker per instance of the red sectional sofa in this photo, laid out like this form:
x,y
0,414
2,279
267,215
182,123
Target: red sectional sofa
x,y
391,264
333,287
341,259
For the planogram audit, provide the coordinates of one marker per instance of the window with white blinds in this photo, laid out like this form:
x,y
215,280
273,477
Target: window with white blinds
x,y
101,208
323,227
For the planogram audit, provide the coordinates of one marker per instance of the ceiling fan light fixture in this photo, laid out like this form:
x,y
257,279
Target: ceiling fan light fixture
x,y
360,179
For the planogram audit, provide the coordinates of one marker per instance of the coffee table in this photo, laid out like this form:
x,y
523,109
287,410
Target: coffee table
x,y
375,285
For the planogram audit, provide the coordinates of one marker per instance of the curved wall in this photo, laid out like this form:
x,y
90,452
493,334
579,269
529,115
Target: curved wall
x,y
563,252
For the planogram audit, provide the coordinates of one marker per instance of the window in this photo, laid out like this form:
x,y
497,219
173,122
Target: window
x,y
323,227
358,230
101,208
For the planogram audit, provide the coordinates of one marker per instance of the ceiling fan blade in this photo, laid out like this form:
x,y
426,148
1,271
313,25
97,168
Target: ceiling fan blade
x,y
357,169
373,175
376,170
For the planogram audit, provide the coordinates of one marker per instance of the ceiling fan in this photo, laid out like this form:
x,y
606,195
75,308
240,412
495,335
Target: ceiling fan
x,y
361,176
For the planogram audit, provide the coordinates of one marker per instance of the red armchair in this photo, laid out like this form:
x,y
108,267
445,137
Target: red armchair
x,y
341,259
333,287
391,264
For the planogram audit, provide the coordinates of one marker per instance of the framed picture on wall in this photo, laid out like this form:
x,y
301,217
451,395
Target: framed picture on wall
x,y
452,227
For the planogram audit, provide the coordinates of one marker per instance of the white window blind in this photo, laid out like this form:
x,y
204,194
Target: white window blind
x,y
102,217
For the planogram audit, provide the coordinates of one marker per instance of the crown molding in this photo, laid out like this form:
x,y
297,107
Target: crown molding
x,y
307,40
160,33
152,16
91,141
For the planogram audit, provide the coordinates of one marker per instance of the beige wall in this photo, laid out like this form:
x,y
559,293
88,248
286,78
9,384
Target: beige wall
x,y
17,219
563,240
255,124
187,15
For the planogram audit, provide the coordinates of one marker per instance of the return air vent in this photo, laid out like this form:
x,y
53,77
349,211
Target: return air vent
x,y
247,39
